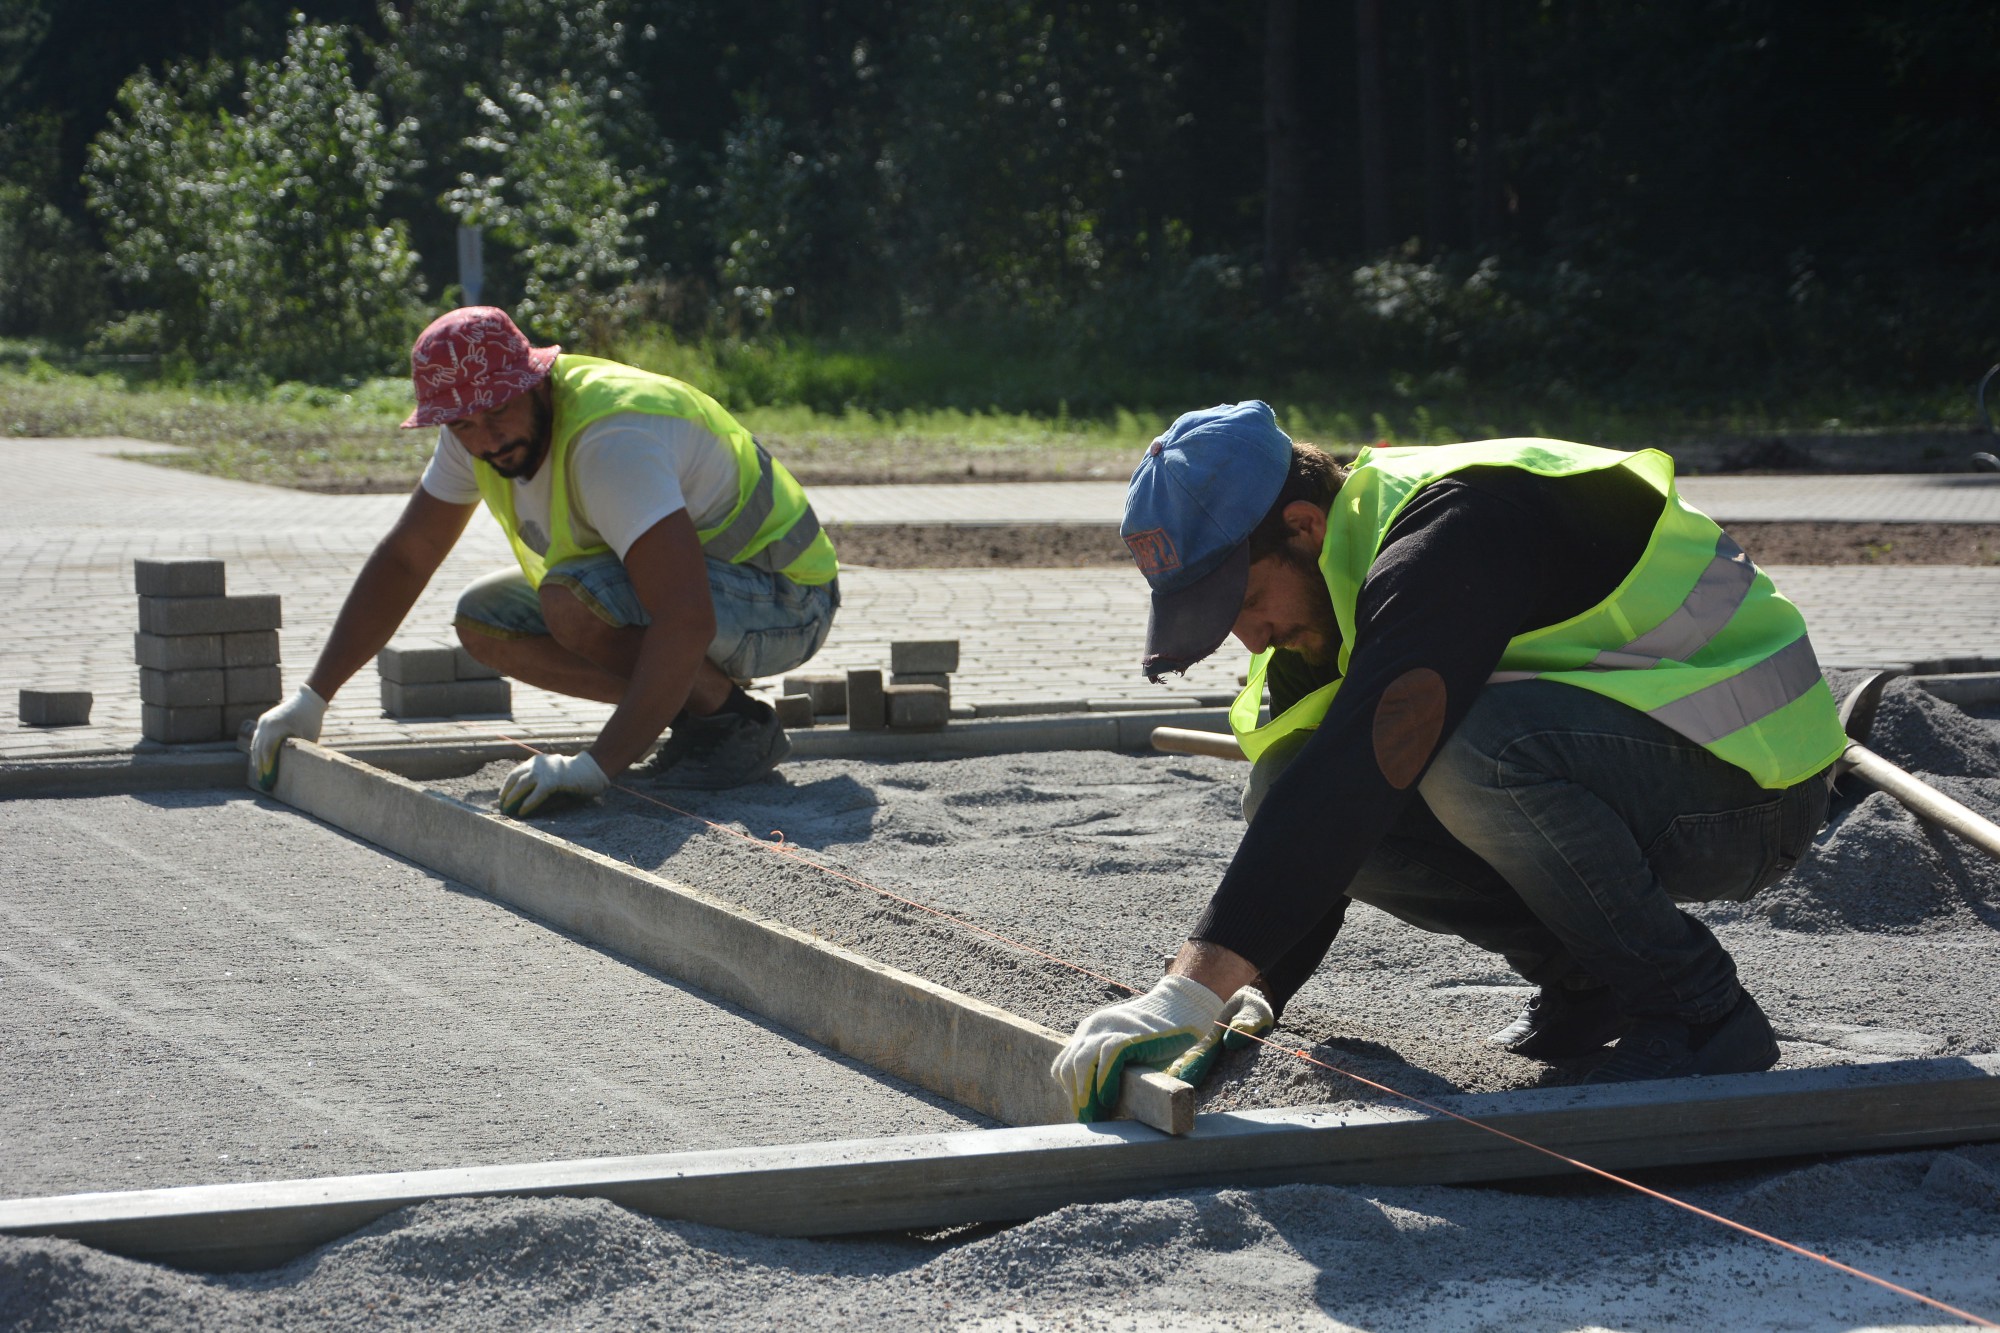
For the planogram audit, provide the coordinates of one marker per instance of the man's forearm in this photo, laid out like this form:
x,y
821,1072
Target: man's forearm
x,y
661,679
382,596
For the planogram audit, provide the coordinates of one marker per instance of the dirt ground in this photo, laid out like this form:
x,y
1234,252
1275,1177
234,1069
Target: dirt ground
x,y
1069,545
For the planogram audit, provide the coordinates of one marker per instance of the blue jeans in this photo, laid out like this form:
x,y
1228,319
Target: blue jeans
x,y
1560,829
764,623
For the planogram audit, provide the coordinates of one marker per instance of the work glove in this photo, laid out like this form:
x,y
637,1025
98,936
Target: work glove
x,y
549,776
301,715
1152,1029
1247,1015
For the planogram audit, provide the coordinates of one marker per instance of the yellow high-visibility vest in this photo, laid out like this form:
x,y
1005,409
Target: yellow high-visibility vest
x,y
771,526
1695,636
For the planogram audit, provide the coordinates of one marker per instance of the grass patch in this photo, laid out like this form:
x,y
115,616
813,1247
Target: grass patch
x,y
824,415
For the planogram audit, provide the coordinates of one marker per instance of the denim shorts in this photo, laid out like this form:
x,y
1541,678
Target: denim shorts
x,y
764,623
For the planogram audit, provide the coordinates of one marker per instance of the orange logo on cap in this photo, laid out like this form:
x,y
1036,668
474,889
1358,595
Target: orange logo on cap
x,y
1154,551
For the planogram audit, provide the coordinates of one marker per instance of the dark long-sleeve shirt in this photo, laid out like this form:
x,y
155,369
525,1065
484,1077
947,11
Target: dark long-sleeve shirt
x,y
1473,560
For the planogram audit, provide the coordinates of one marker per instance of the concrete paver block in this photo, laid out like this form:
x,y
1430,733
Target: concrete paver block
x,y
923,655
252,685
827,691
794,710
941,679
181,689
470,667
178,652
454,698
173,726
867,710
237,716
418,663
55,708
208,615
178,578
917,707
251,648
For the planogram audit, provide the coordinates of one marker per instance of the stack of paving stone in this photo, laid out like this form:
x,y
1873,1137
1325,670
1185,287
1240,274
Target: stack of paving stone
x,y
208,663
439,680
916,697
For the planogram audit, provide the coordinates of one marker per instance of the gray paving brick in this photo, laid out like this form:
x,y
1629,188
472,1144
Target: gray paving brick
x,y
55,708
208,615
867,710
916,707
446,698
250,648
234,716
178,578
173,726
923,656
262,685
178,652
469,667
181,689
826,691
418,663
793,710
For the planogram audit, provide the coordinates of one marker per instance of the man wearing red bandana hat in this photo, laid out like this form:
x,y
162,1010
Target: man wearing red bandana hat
x,y
662,556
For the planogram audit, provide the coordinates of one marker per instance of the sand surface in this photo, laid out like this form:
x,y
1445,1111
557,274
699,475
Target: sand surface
x,y
1885,942
1307,1257
202,987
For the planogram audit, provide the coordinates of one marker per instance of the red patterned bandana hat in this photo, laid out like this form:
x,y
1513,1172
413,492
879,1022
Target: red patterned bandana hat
x,y
469,360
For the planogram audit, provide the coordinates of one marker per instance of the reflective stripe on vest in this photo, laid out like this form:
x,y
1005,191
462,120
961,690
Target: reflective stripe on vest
x,y
1728,665
730,540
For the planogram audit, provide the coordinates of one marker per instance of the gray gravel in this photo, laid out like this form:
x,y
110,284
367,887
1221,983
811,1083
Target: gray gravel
x,y
202,987
1293,1257
1881,944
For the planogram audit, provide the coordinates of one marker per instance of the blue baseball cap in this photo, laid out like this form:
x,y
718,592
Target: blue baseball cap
x,y
1194,500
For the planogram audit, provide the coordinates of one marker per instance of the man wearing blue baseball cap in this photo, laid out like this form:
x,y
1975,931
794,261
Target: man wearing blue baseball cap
x,y
1520,692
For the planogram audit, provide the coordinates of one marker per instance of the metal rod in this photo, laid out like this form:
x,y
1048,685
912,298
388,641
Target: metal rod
x,y
1924,800
1180,740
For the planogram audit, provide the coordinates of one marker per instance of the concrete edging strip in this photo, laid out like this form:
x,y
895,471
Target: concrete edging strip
x,y
937,1180
976,1054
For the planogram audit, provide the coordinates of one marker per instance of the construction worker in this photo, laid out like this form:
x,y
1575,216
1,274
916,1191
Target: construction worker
x,y
1522,693
663,556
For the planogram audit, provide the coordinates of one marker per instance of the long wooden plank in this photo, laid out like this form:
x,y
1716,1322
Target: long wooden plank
x,y
976,1054
992,1175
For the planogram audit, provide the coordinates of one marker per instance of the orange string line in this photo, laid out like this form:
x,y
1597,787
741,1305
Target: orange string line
x,y
786,849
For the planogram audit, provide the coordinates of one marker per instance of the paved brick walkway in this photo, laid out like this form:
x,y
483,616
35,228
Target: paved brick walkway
x,y
73,517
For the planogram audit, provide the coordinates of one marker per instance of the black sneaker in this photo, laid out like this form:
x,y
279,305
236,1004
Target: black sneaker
x,y
720,751
1741,1043
1559,1023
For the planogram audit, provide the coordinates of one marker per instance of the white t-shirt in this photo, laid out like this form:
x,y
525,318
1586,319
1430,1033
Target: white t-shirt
x,y
627,472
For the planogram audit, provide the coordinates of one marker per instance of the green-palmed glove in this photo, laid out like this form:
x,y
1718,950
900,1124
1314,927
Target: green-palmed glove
x,y
1152,1029
1247,1015
302,715
547,777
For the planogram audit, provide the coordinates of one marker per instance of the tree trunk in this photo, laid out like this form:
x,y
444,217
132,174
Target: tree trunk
x,y
1281,146
1373,122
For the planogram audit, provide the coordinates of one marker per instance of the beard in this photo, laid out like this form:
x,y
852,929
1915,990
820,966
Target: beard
x,y
1317,632
520,458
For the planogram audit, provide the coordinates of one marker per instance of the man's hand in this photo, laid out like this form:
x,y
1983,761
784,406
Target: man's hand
x,y
1152,1029
532,784
300,716
1247,1015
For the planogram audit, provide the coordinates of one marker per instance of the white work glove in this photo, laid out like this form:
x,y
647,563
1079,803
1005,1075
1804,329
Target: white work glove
x,y
1150,1030
532,784
1247,1015
300,716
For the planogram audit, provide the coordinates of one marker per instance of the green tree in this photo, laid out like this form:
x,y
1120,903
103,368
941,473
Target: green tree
x,y
254,239
552,194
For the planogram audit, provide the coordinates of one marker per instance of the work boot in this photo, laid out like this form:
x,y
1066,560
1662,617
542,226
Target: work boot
x,y
725,749
1560,1022
1741,1042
